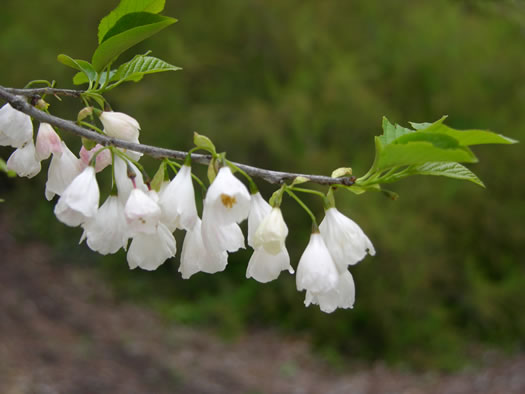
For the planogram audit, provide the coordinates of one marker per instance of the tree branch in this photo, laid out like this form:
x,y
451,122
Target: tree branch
x,y
12,96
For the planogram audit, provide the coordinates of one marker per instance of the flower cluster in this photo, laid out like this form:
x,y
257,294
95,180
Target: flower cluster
x,y
141,219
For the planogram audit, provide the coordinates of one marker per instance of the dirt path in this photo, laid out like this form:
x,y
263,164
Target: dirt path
x,y
62,331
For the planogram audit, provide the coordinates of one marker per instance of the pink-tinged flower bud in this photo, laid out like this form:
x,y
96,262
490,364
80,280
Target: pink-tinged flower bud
x,y
47,142
103,158
23,161
16,128
120,125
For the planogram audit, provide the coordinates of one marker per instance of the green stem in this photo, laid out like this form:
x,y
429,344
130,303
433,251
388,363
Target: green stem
x,y
303,205
91,127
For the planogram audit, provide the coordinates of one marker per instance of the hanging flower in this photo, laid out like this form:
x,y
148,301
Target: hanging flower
x,y
265,267
342,296
23,160
142,212
177,201
103,158
64,167
149,250
347,243
16,128
80,199
120,125
272,232
196,257
227,198
259,209
47,142
107,231
316,271
220,237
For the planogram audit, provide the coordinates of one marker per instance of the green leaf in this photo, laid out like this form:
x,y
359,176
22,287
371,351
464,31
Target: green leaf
x,y
392,132
80,78
84,67
468,137
341,171
141,65
203,142
127,7
128,31
419,150
158,178
450,170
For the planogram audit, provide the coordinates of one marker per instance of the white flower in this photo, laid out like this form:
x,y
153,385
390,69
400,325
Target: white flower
x,y
265,267
16,127
228,198
259,209
347,243
47,142
107,231
196,257
120,125
142,212
80,199
177,201
149,251
23,161
103,158
271,233
316,271
342,296
124,183
63,169
220,237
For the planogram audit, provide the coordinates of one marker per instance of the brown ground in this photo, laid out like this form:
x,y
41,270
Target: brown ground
x,y
62,331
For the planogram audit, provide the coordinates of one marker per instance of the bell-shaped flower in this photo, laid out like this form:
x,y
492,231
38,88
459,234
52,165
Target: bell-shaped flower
x,y
227,198
265,267
64,167
80,199
149,250
259,209
196,257
107,231
271,233
342,296
103,158
47,142
124,183
142,212
316,271
120,125
220,237
177,201
23,161
347,243
16,128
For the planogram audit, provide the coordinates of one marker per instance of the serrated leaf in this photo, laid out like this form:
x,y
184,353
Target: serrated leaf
x,y
84,67
468,137
392,132
80,78
128,31
341,171
424,125
141,65
127,7
450,170
419,152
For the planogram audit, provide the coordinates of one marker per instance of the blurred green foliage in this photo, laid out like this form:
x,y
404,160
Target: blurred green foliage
x,y
302,85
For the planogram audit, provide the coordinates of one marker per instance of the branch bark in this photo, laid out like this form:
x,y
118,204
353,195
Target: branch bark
x,y
15,97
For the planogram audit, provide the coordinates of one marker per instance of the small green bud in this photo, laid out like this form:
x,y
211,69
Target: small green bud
x,y
341,172
203,142
84,113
